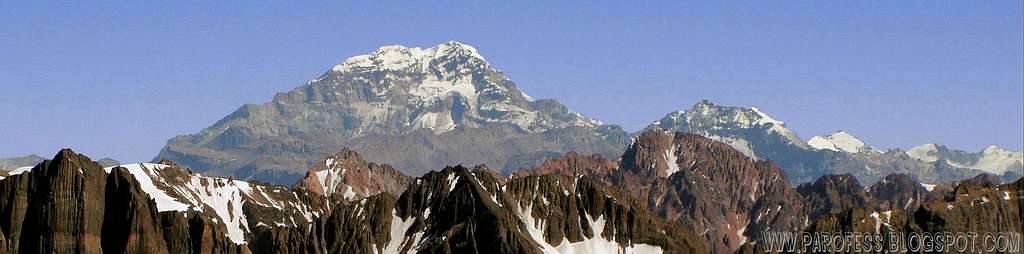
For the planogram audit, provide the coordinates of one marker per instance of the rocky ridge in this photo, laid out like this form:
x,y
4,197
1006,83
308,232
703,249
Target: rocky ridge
x,y
455,210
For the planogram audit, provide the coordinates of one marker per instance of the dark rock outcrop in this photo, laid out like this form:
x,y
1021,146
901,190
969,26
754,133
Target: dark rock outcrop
x,y
131,223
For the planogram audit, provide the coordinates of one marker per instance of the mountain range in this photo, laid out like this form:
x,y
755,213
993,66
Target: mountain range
x,y
423,108
687,194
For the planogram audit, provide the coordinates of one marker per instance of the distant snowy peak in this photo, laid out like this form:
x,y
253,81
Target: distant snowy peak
x,y
991,159
723,122
840,141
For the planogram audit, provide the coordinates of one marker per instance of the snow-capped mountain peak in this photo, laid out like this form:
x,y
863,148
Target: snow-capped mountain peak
x,y
840,141
398,57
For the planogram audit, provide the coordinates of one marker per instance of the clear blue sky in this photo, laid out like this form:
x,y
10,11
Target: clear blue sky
x,y
118,80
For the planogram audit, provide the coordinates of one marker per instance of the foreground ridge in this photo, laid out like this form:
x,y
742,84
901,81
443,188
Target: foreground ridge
x,y
161,208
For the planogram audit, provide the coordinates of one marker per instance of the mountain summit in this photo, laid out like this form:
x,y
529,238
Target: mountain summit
x,y
414,108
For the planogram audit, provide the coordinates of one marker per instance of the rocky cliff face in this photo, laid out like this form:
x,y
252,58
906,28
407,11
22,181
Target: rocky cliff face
x,y
72,204
417,109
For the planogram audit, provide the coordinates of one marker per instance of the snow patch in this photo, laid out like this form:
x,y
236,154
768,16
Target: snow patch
x,y
671,160
928,187
144,175
397,233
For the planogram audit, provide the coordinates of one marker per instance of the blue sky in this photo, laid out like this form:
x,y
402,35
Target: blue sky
x,y
117,80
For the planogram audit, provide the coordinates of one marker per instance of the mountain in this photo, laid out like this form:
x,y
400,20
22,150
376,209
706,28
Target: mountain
x,y
840,142
992,159
668,193
416,109
760,136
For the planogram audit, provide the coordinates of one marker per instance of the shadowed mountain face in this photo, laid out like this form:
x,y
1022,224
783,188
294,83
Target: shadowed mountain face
x,y
417,109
